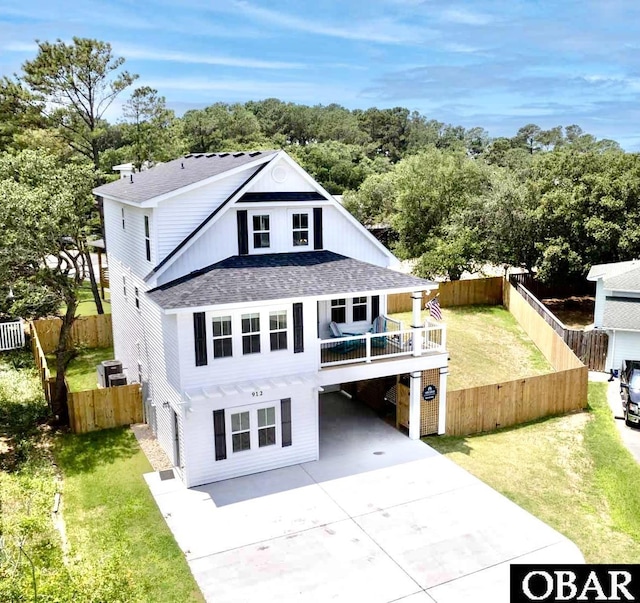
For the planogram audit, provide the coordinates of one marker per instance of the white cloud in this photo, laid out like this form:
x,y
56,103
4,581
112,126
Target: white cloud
x,y
466,17
151,54
20,47
384,31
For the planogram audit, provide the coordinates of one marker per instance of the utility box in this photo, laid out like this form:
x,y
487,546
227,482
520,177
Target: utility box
x,y
107,368
117,379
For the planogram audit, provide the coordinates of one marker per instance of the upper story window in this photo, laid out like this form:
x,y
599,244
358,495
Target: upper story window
x,y
339,310
222,339
359,309
300,223
137,296
278,330
147,238
261,232
124,224
250,333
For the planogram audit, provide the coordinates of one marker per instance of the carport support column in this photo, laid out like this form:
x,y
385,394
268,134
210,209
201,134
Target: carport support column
x,y
416,323
442,401
415,388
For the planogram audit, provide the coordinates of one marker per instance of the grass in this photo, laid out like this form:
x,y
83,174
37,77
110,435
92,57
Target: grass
x,y
87,305
110,511
117,548
81,372
573,472
486,345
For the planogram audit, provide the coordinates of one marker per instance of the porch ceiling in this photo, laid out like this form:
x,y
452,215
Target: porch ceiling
x,y
267,277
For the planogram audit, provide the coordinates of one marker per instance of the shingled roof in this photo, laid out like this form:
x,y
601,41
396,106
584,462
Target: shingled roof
x,y
174,175
254,278
621,313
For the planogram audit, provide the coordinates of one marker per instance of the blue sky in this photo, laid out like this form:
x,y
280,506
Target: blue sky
x,y
495,64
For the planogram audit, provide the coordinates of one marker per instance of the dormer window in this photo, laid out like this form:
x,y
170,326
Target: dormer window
x,y
300,230
261,232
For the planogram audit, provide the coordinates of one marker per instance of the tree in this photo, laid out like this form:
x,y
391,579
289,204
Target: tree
x,y
150,128
19,110
44,222
76,83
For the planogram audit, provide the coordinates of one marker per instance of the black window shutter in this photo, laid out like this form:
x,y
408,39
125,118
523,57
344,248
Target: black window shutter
x,y
298,330
219,435
317,228
243,232
375,307
200,338
285,418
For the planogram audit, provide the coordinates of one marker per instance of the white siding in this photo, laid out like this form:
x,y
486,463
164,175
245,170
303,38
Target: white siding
x,y
281,177
242,368
201,463
623,345
127,245
181,215
599,305
351,239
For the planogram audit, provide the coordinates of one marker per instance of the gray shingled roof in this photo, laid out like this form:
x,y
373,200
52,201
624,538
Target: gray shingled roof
x,y
253,278
606,271
621,313
625,281
171,176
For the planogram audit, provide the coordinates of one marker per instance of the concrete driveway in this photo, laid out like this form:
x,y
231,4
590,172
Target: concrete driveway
x,y
378,518
629,435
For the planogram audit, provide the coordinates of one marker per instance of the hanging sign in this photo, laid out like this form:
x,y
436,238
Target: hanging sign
x,y
429,393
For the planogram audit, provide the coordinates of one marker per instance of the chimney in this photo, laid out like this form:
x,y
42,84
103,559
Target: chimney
x,y
126,170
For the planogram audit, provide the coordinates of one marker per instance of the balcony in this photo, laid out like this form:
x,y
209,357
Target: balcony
x,y
375,347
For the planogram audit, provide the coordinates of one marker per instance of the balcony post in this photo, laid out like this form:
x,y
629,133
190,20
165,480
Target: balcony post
x,y
415,392
416,323
442,401
367,341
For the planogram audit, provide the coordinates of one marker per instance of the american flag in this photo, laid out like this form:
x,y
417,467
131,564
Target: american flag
x,y
434,308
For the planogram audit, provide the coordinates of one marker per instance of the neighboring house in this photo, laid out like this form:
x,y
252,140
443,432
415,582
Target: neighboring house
x,y
617,309
227,271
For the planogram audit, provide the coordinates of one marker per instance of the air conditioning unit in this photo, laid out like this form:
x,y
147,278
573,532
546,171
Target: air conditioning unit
x,y
117,379
107,368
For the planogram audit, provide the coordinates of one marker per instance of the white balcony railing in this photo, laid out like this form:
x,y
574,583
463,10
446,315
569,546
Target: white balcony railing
x,y
373,347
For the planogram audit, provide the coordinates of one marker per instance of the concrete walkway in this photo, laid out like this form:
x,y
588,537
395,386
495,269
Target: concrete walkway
x,y
630,435
378,518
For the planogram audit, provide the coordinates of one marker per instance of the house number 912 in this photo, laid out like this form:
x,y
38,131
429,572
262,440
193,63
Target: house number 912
x,y
257,393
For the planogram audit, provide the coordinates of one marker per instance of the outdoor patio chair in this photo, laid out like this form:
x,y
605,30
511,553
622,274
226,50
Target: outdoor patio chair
x,y
344,346
379,326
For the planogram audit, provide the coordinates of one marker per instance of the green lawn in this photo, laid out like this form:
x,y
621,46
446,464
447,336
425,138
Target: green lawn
x,y
573,472
486,345
119,548
111,515
81,372
87,305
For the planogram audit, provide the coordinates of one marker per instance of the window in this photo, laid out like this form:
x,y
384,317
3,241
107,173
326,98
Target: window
x,y
300,230
261,237
147,238
124,286
359,309
339,310
278,330
222,346
266,426
123,222
251,333
137,296
240,432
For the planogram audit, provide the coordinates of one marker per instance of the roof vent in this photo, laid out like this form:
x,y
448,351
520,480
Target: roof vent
x,y
223,154
182,165
131,179
197,155
211,154
240,154
188,155
254,153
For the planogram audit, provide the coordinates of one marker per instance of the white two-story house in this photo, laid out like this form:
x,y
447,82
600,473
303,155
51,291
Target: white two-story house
x,y
240,289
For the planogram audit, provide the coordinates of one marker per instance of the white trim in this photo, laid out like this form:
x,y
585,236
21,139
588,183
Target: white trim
x,y
288,300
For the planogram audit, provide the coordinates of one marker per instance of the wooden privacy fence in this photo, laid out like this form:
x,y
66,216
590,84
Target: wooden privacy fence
x,y
40,360
470,292
90,331
488,407
96,409
589,346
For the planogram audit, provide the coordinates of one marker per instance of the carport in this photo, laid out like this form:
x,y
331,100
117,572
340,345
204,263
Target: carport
x,y
378,518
